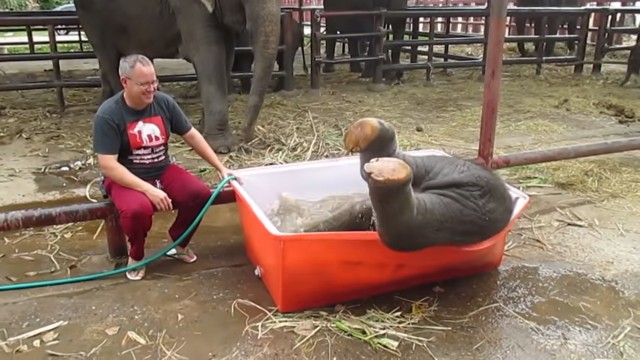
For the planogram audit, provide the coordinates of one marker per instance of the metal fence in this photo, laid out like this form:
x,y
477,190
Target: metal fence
x,y
492,61
443,22
54,20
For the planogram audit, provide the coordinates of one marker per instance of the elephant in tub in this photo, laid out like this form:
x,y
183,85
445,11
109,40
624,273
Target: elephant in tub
x,y
423,201
200,31
413,202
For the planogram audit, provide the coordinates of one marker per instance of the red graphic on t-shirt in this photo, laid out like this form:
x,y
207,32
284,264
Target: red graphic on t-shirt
x,y
146,132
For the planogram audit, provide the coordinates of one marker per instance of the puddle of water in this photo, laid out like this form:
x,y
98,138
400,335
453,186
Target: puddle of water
x,y
543,311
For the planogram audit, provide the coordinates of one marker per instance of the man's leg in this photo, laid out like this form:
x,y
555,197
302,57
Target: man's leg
x,y
136,217
188,194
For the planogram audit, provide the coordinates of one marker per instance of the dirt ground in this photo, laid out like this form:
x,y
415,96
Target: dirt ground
x,y
569,286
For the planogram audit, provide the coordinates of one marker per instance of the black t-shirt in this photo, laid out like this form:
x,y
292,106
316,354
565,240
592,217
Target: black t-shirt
x,y
140,138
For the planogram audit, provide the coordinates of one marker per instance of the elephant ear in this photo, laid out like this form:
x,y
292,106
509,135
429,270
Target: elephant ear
x,y
210,5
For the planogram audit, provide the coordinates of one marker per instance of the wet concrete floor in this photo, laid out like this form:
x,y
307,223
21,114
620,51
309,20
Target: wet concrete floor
x,y
572,300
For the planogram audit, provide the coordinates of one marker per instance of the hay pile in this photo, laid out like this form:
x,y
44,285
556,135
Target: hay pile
x,y
607,178
385,330
534,113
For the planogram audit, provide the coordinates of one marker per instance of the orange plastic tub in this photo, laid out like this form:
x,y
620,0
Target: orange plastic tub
x,y
308,270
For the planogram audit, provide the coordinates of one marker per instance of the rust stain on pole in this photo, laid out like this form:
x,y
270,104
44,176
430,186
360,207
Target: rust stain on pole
x,y
492,79
59,215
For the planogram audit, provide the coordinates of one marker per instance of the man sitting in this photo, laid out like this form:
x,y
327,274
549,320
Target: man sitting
x,y
131,139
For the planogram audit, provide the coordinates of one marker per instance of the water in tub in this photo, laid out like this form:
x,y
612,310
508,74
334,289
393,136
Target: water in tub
x,y
345,212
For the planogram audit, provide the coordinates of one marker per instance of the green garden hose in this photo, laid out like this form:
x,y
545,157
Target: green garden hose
x,y
36,284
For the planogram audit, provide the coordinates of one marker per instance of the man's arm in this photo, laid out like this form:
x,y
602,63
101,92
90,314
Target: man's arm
x,y
200,146
112,169
182,126
106,145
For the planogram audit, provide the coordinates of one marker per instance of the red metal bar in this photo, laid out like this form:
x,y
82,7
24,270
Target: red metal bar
x,y
23,219
28,218
565,153
492,79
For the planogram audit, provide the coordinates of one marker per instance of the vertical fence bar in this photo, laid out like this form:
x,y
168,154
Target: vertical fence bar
x,y
57,72
581,49
315,49
492,79
287,55
600,42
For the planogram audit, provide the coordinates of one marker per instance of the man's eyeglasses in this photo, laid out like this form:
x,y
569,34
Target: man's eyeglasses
x,y
147,84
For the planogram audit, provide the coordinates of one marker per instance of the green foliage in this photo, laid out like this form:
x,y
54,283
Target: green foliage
x,y
14,5
22,5
50,4
46,49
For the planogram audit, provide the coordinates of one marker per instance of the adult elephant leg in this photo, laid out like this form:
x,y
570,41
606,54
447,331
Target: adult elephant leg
x,y
242,61
354,52
553,23
572,29
521,22
108,62
213,80
238,62
537,30
207,50
369,65
398,26
330,44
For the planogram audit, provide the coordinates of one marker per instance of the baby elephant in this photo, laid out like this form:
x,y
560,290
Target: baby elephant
x,y
243,61
423,201
633,64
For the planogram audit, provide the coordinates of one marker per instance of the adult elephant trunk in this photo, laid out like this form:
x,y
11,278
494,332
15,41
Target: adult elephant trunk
x,y
263,23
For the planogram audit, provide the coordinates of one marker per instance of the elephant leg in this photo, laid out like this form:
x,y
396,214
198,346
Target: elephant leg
x,y
552,29
363,46
537,30
633,65
330,45
280,61
354,47
236,67
521,23
572,29
369,66
245,83
398,26
210,63
301,45
239,63
389,182
108,62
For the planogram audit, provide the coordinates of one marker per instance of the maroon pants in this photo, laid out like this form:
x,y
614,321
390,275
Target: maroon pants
x,y
188,195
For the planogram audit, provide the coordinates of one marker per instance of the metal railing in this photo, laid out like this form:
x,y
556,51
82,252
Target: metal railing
x,y
495,39
53,19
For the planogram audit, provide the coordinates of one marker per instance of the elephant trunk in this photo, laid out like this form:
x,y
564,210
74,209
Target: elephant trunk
x,y
263,22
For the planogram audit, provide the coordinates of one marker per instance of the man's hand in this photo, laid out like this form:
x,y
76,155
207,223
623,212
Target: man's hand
x,y
224,173
159,198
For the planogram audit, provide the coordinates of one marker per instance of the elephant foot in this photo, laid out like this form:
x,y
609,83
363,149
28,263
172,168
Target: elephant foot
x,y
388,171
360,134
245,87
220,143
328,68
355,67
248,134
377,87
367,73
